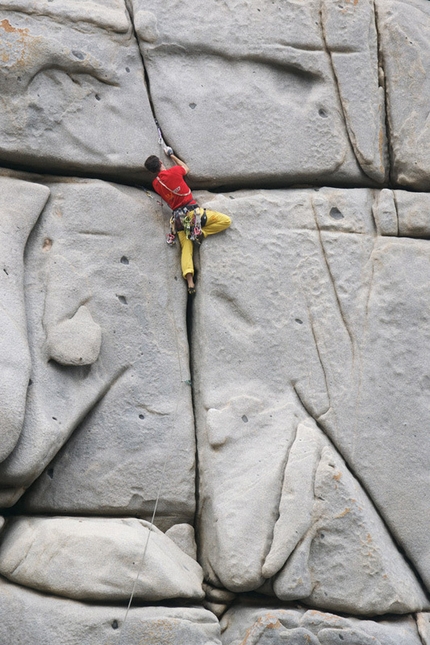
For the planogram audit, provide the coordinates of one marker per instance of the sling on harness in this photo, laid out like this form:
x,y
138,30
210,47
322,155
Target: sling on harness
x,y
190,219
174,192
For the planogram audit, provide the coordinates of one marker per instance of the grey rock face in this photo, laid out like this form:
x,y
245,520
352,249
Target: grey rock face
x,y
404,28
20,206
309,357
250,623
67,622
96,250
325,336
271,84
183,536
72,83
423,624
97,559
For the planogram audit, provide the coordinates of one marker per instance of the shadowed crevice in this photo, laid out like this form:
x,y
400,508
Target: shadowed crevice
x,y
383,84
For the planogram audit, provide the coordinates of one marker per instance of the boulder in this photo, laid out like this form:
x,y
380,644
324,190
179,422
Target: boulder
x,y
102,560
69,622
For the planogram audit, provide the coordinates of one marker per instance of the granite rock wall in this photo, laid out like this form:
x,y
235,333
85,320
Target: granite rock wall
x,y
248,466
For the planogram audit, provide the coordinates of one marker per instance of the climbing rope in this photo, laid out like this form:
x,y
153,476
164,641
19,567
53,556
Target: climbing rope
x,y
173,425
162,478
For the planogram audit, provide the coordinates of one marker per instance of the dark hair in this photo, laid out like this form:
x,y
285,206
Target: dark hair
x,y
153,164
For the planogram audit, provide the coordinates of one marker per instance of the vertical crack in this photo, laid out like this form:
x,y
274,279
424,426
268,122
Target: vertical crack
x,y
190,299
397,213
367,275
336,295
281,488
372,212
190,327
370,497
383,84
129,10
336,83
318,353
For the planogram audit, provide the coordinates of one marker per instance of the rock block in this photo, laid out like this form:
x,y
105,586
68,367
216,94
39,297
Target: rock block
x,y
20,206
256,94
99,254
101,560
73,89
69,622
249,622
350,35
404,31
298,305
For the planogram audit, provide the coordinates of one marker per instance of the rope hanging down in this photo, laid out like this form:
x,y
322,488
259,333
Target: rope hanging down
x,y
173,425
162,479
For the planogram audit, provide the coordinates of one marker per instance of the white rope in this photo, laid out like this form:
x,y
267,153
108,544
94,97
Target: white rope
x,y
160,487
139,571
163,474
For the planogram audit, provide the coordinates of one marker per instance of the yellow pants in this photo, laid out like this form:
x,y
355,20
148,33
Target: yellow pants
x,y
215,223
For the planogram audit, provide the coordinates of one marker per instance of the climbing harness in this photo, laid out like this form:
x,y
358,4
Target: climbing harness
x,y
187,219
190,219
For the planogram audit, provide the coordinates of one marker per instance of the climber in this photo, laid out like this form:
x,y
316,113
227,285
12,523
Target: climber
x,y
190,222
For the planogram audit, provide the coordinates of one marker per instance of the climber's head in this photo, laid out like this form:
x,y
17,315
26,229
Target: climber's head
x,y
153,164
